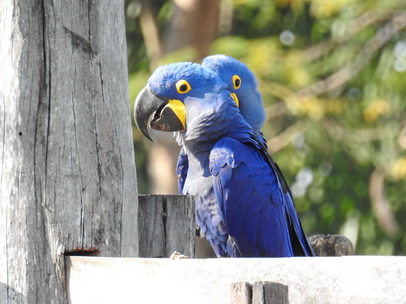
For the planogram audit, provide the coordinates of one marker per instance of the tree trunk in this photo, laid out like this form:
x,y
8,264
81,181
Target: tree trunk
x,y
68,183
195,24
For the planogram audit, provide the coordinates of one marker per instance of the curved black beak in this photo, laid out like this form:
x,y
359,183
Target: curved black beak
x,y
169,115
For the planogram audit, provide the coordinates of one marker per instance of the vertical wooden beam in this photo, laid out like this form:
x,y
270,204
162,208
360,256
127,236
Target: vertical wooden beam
x,y
151,226
67,172
166,224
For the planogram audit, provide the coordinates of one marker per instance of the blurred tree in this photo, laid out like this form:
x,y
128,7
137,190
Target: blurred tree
x,y
185,26
332,76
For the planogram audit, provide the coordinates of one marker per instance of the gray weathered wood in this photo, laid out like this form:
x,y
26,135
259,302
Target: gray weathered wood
x,y
269,293
151,226
275,293
258,296
67,169
166,224
331,245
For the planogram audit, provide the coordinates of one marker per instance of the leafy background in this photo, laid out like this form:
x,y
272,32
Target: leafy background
x,y
333,79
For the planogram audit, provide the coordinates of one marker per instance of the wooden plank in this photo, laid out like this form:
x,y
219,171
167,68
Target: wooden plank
x,y
68,182
151,226
275,293
269,293
241,293
166,224
180,225
327,280
258,296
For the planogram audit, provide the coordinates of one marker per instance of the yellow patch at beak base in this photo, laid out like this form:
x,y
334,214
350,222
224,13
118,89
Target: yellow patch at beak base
x,y
235,98
179,109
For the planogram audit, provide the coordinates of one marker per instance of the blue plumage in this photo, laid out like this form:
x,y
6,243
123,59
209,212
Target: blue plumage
x,y
250,101
250,200
251,108
241,81
241,206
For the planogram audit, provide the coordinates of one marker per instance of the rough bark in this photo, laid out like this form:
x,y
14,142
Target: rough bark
x,y
67,170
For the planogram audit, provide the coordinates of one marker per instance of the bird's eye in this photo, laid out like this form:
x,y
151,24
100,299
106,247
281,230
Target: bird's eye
x,y
236,82
182,86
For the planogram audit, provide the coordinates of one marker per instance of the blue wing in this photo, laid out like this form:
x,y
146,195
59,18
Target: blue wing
x,y
301,246
259,217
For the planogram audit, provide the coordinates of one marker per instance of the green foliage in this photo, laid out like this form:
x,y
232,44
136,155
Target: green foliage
x,y
336,107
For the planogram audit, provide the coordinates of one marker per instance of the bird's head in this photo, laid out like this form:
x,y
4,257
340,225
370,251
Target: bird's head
x,y
168,91
242,83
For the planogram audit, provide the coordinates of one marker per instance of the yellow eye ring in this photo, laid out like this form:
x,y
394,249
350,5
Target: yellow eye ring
x,y
237,82
182,86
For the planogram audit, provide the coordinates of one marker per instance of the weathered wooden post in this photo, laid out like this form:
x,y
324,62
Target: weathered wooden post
x,y
166,224
68,183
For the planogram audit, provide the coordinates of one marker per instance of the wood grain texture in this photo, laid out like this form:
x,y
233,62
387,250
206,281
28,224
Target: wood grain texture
x,y
151,226
276,293
67,168
258,296
166,224
259,293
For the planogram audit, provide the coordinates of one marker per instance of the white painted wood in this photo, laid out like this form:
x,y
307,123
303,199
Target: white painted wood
x,y
348,279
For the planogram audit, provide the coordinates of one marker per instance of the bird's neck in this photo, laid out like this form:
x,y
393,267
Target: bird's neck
x,y
221,120
231,127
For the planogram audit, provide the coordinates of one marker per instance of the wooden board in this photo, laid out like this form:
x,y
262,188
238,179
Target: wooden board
x,y
349,279
166,224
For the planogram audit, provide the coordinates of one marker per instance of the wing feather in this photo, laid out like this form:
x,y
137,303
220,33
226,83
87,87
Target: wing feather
x,y
260,219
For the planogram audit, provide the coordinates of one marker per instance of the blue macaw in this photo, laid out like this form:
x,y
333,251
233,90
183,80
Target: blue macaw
x,y
240,203
243,85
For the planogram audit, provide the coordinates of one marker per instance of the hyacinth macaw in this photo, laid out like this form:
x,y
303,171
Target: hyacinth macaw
x,y
240,204
242,82
243,85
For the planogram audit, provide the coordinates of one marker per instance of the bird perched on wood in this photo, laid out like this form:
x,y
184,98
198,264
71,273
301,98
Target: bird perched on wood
x,y
242,83
240,203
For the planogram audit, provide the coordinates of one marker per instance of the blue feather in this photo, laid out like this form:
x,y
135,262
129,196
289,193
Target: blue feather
x,y
266,212
251,105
